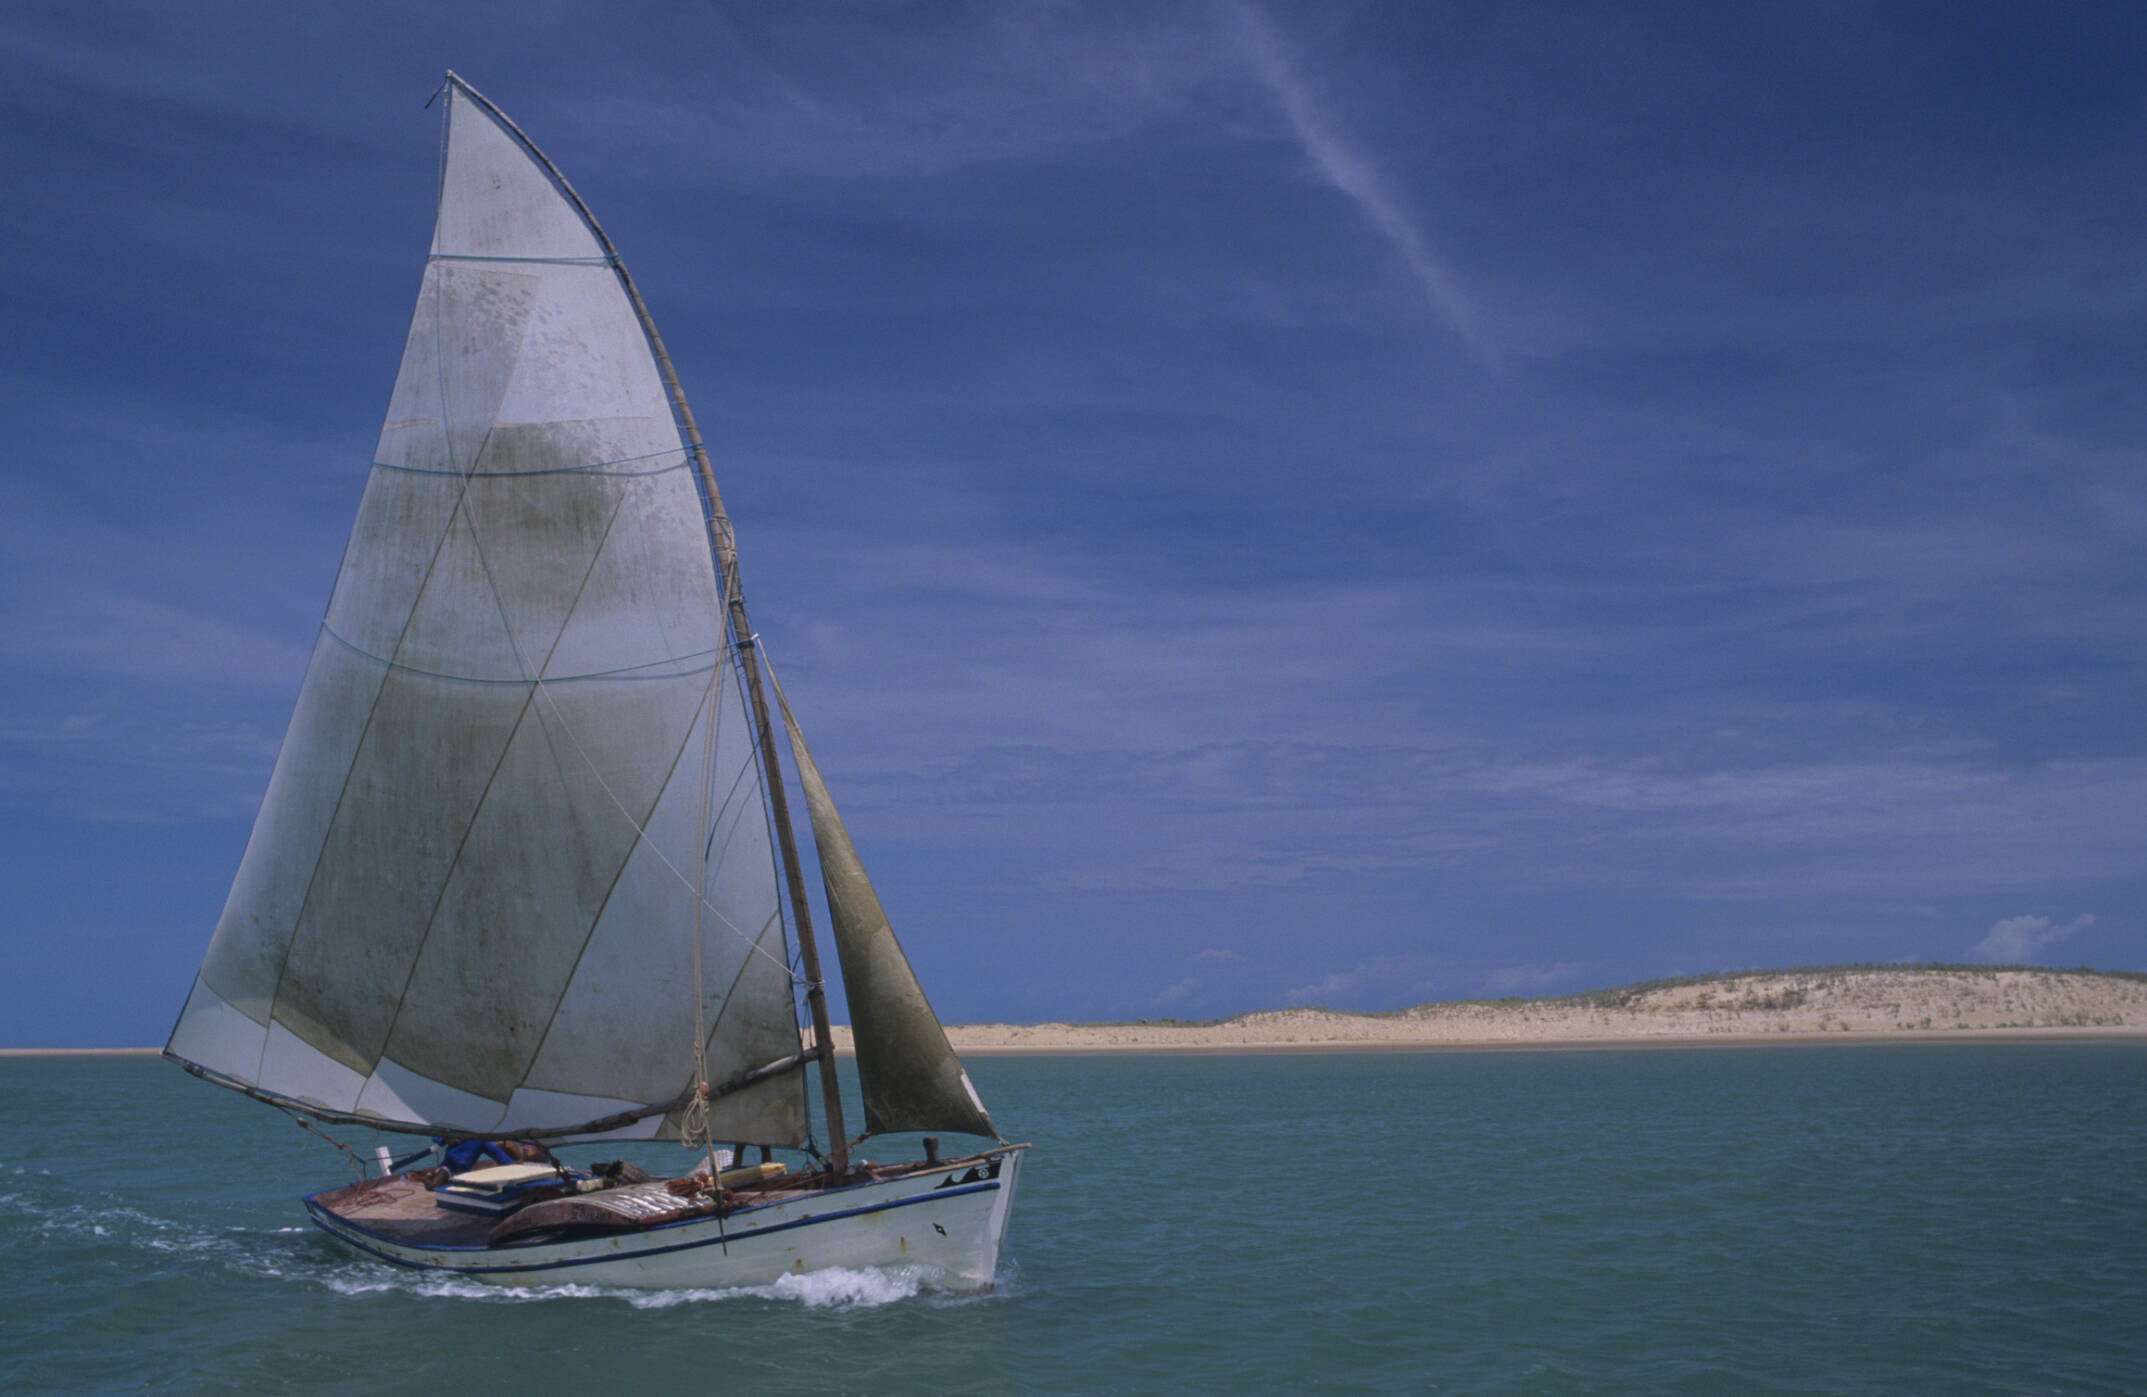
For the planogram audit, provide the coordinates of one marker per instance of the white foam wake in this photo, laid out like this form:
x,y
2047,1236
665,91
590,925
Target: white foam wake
x,y
840,1288
835,1288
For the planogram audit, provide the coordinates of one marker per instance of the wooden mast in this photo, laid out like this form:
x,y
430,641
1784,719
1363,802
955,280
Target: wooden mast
x,y
726,550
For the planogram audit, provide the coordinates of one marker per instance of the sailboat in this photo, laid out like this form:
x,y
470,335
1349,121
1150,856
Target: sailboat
x,y
524,874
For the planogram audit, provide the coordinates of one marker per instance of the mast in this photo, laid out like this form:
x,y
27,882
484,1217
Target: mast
x,y
726,551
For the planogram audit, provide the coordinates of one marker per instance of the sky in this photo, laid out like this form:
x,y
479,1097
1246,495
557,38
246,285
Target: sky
x,y
1256,503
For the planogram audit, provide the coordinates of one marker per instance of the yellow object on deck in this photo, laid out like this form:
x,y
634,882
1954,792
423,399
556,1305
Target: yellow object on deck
x,y
752,1174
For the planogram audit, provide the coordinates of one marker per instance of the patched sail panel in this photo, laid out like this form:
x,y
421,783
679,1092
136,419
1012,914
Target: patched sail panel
x,y
469,898
910,1076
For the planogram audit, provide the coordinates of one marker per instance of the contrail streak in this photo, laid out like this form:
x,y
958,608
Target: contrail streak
x,y
1349,172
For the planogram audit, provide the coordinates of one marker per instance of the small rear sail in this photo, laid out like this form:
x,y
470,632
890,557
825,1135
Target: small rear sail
x,y
521,751
910,1077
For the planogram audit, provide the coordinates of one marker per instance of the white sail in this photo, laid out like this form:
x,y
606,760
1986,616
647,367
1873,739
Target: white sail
x,y
468,900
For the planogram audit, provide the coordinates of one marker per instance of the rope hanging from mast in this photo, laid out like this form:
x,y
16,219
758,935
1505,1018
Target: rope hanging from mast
x,y
693,1127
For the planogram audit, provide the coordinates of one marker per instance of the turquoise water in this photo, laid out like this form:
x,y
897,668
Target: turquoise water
x,y
1924,1219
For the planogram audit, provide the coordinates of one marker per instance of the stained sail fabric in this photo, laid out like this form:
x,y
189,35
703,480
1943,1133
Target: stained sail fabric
x,y
468,900
910,1076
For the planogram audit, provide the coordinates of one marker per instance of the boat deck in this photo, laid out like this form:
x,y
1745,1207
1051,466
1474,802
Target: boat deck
x,y
404,1209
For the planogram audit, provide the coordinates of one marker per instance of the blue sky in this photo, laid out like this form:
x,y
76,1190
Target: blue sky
x,y
1255,504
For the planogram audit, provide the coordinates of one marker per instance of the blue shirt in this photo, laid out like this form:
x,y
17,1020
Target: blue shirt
x,y
465,1155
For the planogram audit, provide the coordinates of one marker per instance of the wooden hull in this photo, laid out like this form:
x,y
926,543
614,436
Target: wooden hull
x,y
948,1221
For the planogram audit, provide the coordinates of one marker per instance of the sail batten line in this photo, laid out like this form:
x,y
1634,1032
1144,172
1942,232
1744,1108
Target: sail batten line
x,y
628,674
606,469
501,257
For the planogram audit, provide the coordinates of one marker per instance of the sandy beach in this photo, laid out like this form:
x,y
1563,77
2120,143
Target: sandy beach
x,y
1845,1004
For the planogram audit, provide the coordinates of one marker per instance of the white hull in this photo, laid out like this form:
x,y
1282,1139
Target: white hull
x,y
933,1220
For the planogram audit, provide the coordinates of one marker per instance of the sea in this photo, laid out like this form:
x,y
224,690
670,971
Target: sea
x,y
1936,1218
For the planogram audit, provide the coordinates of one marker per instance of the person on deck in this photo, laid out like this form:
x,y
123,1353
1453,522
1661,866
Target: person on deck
x,y
461,1156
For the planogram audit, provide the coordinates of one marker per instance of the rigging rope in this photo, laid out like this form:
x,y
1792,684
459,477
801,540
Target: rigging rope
x,y
693,1127
357,1165
653,847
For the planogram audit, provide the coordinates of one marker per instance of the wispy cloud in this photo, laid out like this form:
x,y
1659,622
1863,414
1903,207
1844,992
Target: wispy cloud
x,y
1175,993
1387,982
99,634
1350,172
141,762
1531,979
1020,84
2019,940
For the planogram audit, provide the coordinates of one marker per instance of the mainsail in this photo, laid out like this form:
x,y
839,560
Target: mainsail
x,y
468,903
908,1072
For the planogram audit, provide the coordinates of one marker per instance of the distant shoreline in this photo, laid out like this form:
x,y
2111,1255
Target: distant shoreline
x,y
1873,1004
1284,1048
1636,1043
1822,1004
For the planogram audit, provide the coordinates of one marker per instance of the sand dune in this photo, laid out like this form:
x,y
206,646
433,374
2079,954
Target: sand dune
x,y
1837,1003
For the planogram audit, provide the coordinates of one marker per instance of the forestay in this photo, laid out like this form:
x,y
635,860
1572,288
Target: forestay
x,y
468,900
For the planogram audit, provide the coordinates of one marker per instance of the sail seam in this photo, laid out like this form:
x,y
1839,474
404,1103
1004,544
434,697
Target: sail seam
x,y
432,918
775,918
730,825
724,820
462,510
654,847
551,745
468,510
373,709
603,468
496,257
625,674
640,838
